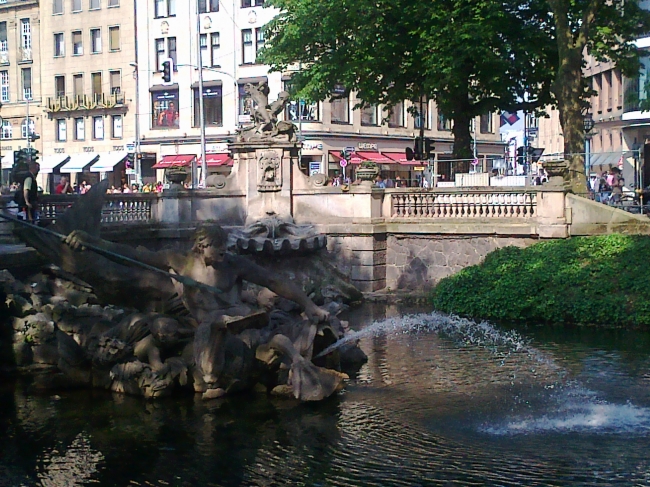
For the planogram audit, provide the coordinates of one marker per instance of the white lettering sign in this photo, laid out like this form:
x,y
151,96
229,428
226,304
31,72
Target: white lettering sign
x,y
367,146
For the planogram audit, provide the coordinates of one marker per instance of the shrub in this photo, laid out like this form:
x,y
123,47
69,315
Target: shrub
x,y
601,280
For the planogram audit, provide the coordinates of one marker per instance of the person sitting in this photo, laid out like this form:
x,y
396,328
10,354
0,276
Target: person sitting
x,y
63,187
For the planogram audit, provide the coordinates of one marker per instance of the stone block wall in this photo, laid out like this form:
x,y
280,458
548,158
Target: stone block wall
x,y
418,262
360,257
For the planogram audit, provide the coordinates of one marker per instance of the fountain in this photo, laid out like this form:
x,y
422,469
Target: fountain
x,y
170,332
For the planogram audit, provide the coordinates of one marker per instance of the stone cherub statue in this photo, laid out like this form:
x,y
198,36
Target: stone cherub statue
x,y
266,126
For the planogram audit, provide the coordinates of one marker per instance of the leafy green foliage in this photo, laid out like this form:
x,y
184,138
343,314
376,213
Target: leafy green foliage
x,y
583,280
470,56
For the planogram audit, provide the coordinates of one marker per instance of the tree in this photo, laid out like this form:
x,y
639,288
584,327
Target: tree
x,y
470,56
606,30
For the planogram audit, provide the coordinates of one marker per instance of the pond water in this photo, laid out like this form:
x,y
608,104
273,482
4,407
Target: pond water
x,y
440,402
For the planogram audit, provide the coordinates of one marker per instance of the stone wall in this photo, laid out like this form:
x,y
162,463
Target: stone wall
x,y
417,263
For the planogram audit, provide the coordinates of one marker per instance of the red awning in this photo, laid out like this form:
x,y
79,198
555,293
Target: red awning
x,y
174,161
400,157
373,156
217,160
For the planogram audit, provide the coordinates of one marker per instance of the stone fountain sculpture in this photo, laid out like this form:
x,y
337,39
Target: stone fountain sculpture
x,y
177,337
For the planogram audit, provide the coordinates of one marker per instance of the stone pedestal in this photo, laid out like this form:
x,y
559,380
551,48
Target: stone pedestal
x,y
267,170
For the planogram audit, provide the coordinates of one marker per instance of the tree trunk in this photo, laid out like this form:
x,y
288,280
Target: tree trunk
x,y
462,136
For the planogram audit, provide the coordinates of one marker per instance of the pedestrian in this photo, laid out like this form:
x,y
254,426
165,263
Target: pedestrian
x,y
27,197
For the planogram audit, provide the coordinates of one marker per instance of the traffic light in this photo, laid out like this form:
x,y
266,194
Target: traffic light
x,y
30,155
520,155
168,69
130,160
428,148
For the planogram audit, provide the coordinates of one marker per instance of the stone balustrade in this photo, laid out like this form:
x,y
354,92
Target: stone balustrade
x,y
489,204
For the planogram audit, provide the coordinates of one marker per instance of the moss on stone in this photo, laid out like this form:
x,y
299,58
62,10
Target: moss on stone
x,y
602,280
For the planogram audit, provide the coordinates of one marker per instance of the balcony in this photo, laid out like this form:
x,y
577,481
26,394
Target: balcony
x,y
97,101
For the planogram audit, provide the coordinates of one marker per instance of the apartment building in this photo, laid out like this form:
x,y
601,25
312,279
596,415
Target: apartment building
x,y
224,37
20,75
88,88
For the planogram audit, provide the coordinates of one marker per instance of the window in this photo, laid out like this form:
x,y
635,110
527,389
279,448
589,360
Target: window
x,y
98,128
340,105
171,51
59,45
26,34
26,76
76,5
164,109
486,123
396,117
248,55
212,106
259,39
164,8
444,124
59,86
246,104
78,84
27,127
4,44
116,82
116,126
57,7
4,86
7,129
369,115
206,6
420,119
252,3
79,129
160,53
61,130
203,41
96,85
215,43
114,38
113,3
77,43
95,4
308,112
95,41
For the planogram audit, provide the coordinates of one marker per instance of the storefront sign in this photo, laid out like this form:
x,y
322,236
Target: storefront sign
x,y
312,145
419,168
216,148
367,146
165,109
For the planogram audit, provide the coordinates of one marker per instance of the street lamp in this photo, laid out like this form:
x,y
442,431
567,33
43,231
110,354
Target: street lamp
x,y
588,125
138,164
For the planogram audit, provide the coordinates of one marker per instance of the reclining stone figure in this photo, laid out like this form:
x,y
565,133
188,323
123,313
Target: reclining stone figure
x,y
223,361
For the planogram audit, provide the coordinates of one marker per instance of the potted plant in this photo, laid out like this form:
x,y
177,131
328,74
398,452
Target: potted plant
x,y
176,175
367,171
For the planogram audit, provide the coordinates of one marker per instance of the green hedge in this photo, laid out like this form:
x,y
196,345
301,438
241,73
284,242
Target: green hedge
x,y
584,280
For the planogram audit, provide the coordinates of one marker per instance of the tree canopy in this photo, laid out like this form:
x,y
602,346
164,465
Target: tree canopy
x,y
470,56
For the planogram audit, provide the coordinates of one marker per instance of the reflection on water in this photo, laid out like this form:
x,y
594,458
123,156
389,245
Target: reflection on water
x,y
459,404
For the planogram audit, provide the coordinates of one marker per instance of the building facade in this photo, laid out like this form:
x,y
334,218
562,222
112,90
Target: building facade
x,y
20,78
88,89
224,38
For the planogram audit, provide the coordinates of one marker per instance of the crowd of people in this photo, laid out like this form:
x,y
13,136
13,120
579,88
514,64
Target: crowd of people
x,y
125,188
607,187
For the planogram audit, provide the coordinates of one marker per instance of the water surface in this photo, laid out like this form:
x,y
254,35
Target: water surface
x,y
440,402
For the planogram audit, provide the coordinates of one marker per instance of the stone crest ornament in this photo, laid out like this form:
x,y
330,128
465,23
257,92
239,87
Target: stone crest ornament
x,y
270,175
265,126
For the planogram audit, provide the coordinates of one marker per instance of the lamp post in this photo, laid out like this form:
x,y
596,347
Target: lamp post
x,y
588,125
138,162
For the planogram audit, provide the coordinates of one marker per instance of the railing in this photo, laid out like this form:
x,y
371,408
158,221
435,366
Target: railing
x,y
118,208
463,204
